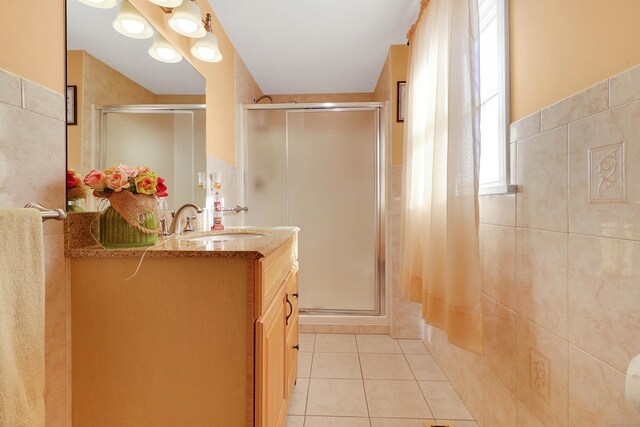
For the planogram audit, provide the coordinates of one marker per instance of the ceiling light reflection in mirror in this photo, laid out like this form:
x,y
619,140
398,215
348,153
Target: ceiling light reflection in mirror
x,y
90,29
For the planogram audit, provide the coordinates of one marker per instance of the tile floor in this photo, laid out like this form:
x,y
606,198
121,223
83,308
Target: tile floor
x,y
371,381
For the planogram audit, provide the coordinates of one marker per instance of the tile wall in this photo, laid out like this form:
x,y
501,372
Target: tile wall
x,y
405,315
561,270
32,164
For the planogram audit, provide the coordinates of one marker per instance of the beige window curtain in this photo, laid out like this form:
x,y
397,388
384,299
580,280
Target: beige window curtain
x,y
440,265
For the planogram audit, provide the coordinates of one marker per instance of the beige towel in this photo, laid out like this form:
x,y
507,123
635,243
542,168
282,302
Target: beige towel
x,y
21,318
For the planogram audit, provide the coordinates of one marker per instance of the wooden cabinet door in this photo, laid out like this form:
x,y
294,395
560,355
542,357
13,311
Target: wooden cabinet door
x,y
271,389
293,347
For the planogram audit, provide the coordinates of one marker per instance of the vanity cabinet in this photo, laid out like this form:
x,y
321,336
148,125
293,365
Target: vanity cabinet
x,y
276,338
193,339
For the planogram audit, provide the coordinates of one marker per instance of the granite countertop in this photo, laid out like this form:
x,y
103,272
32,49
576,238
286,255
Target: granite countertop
x,y
182,246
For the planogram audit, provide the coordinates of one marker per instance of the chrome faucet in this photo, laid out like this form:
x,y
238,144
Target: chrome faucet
x,y
175,222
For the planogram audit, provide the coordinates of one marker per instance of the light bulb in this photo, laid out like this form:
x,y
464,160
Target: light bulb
x,y
130,23
206,52
186,19
134,27
186,25
206,48
161,50
166,53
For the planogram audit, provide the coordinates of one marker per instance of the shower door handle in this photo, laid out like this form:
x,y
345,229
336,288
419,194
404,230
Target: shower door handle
x,y
286,321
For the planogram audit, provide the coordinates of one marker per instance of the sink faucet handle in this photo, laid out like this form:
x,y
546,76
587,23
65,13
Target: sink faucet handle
x,y
164,228
189,225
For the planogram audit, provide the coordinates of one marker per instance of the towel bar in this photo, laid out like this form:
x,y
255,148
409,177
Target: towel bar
x,y
58,214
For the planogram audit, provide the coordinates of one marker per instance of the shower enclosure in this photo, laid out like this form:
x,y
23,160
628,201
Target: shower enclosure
x,y
170,139
321,167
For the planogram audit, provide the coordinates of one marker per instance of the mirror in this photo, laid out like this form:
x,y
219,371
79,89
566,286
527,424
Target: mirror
x,y
127,107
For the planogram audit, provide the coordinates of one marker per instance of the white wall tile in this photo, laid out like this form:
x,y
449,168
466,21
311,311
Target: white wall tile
x,y
590,101
43,101
624,87
10,89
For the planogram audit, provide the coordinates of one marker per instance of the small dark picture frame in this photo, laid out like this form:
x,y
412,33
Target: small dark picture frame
x,y
402,98
72,105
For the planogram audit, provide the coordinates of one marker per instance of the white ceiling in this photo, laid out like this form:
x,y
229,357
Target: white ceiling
x,y
315,46
90,29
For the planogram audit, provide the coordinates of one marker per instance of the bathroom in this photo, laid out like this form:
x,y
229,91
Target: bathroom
x,y
556,244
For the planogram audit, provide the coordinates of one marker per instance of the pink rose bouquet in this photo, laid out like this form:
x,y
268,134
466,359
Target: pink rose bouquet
x,y
137,180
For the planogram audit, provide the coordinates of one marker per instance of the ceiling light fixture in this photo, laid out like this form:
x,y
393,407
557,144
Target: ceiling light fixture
x,y
130,23
100,4
206,48
167,3
161,50
187,20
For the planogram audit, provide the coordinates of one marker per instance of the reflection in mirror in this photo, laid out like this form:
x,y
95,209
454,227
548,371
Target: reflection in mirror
x,y
131,108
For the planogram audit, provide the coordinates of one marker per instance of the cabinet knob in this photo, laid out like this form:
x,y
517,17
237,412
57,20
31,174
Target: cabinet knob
x,y
296,347
297,294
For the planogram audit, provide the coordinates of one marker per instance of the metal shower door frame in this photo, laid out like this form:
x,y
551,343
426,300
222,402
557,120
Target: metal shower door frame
x,y
379,186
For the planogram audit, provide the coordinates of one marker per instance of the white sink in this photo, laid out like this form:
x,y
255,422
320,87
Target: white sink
x,y
226,237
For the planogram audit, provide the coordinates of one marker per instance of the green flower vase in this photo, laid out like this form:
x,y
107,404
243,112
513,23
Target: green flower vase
x,y
115,232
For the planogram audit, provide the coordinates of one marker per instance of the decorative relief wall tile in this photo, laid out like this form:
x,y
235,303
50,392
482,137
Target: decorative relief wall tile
x,y
545,390
539,371
607,202
606,174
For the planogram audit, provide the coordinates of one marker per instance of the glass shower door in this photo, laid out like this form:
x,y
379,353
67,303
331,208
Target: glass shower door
x,y
331,181
317,169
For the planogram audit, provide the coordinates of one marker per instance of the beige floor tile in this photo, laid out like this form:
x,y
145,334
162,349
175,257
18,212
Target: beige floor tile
x,y
336,422
398,422
444,401
413,347
298,402
336,365
306,342
460,423
385,367
295,421
304,364
336,343
425,368
377,344
395,398
336,398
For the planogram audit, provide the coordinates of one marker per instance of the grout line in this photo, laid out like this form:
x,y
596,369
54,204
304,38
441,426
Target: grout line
x,y
364,389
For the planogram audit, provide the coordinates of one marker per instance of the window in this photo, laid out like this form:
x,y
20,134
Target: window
x,y
494,97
